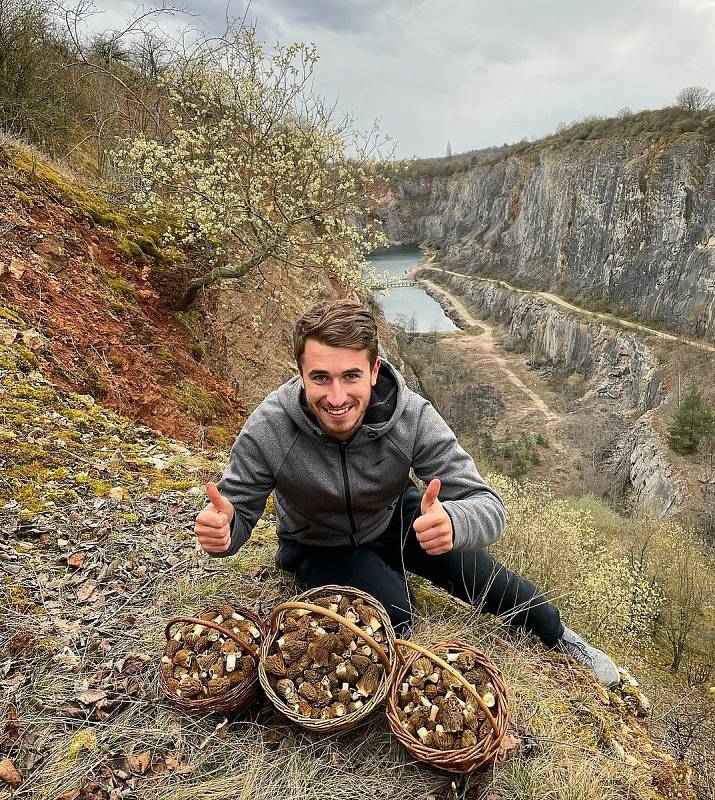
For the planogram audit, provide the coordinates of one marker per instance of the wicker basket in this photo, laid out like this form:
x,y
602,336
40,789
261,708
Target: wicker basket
x,y
466,759
388,656
237,698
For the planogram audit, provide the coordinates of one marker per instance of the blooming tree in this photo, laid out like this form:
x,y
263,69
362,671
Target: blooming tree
x,y
253,166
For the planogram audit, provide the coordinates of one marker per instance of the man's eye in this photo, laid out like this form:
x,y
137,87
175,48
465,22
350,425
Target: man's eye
x,y
352,377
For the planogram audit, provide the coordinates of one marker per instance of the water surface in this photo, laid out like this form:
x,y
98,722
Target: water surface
x,y
408,306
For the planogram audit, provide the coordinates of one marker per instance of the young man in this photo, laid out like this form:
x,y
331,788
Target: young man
x,y
335,445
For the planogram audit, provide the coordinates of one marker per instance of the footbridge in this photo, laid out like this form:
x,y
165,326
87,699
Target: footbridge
x,y
392,283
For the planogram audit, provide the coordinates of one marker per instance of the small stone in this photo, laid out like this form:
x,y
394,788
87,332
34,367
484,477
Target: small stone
x,y
8,335
16,268
33,339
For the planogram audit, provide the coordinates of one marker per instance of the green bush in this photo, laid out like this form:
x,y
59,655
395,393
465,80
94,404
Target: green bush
x,y
693,420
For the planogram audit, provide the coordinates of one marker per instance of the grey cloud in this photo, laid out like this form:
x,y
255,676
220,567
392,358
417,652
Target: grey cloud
x,y
479,72
339,16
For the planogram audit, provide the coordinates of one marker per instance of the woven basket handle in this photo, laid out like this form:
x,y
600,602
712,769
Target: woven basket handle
x,y
467,685
252,649
326,612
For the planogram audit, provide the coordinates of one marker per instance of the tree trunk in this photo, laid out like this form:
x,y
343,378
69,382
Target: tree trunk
x,y
216,274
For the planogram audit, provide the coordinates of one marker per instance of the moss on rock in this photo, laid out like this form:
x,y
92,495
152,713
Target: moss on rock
x,y
194,400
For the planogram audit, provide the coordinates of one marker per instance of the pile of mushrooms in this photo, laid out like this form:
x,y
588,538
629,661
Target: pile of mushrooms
x,y
320,668
200,661
435,707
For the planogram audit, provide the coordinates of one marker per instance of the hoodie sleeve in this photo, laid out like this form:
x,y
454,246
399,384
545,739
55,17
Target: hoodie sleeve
x,y
246,482
477,512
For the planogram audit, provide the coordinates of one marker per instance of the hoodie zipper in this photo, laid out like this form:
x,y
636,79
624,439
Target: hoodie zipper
x,y
352,536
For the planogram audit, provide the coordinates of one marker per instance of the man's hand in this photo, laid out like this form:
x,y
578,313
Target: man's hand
x,y
213,523
434,527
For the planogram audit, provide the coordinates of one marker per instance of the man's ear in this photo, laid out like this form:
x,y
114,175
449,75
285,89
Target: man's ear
x,y
375,370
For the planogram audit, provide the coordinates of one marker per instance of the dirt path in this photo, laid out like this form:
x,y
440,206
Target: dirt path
x,y
557,301
485,349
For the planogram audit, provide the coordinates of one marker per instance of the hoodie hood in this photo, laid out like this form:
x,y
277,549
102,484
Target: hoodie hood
x,y
387,402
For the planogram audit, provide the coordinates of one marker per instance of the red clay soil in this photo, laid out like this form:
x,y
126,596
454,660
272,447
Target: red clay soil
x,y
113,339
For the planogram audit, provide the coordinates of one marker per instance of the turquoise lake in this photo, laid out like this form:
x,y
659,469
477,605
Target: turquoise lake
x,y
408,303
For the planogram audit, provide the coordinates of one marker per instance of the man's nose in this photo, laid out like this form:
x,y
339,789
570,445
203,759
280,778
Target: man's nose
x,y
336,395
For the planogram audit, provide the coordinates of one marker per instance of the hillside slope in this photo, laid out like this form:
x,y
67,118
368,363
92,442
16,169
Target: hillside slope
x,y
97,512
79,288
90,581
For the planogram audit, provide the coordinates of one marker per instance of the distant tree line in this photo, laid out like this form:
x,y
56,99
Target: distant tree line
x,y
692,112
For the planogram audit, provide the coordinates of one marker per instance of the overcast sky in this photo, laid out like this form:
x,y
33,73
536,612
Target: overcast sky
x,y
479,73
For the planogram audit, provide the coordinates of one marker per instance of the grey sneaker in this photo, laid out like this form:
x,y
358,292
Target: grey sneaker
x,y
596,660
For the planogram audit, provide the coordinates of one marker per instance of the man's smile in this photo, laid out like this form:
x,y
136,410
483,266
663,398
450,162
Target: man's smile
x,y
339,412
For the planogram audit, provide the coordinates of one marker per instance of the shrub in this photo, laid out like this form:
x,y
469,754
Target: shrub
x,y
693,420
36,94
560,548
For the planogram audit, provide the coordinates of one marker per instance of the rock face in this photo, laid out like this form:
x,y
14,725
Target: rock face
x,y
627,222
620,372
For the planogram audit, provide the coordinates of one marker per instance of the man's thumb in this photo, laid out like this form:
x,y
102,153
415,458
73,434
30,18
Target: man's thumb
x,y
430,495
218,502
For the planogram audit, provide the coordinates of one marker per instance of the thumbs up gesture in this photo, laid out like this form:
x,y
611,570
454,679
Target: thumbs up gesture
x,y
213,522
434,527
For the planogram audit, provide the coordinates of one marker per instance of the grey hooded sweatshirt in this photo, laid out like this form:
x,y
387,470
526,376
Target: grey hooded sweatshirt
x,y
330,493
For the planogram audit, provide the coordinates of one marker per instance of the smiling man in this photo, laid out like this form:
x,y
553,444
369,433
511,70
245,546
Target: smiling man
x,y
335,446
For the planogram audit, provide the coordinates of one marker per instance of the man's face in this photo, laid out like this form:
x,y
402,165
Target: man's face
x,y
338,384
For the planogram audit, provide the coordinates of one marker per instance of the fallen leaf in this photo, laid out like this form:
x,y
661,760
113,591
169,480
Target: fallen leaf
x,y
90,696
74,710
86,590
76,559
509,743
12,727
132,663
261,572
139,763
8,773
170,761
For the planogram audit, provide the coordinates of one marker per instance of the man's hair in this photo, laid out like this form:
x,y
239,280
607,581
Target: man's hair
x,y
337,323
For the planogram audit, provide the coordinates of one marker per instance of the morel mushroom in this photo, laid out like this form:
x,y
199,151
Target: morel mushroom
x,y
436,708
469,738
442,739
275,665
368,683
218,686
335,670
182,658
189,687
201,661
451,715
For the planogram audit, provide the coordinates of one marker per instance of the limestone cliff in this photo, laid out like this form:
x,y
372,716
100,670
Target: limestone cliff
x,y
623,222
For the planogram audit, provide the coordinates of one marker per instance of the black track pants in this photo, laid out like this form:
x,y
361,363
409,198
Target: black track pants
x,y
379,569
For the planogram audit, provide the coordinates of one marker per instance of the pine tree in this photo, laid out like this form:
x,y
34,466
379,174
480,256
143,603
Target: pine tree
x,y
693,420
